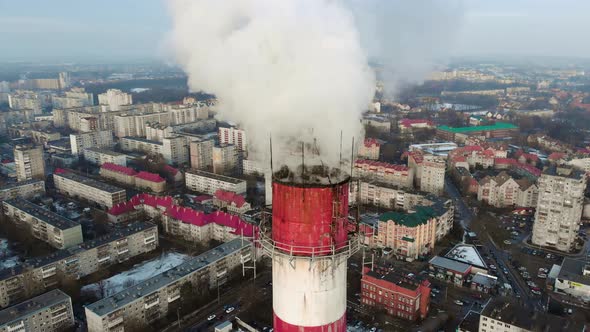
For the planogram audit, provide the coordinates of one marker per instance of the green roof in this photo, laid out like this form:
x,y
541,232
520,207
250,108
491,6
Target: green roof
x,y
420,217
409,239
496,126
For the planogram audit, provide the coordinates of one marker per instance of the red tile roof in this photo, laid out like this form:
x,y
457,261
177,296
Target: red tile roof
x,y
118,168
361,162
505,161
531,169
60,171
170,170
409,122
152,177
370,142
556,156
230,197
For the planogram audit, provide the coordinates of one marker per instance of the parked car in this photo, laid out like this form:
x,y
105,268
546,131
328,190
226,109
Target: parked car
x,y
211,317
543,270
457,302
536,292
507,242
230,309
542,275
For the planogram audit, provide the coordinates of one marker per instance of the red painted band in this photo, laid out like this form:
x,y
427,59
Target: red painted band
x,y
282,326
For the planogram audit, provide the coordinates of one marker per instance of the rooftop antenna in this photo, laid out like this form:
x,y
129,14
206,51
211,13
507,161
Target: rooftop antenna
x,y
270,138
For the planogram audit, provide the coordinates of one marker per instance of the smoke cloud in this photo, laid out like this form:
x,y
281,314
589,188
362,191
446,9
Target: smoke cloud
x,y
293,69
407,40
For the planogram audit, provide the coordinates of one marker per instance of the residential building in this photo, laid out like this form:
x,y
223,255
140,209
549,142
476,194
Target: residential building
x,y
157,132
91,190
408,125
118,173
429,171
47,226
149,300
134,124
150,181
76,97
477,156
36,275
503,190
384,195
397,175
173,149
380,123
232,202
209,183
43,136
29,162
398,294
201,154
95,139
573,278
226,159
48,312
413,234
89,123
115,98
23,189
25,100
99,156
234,136
460,134
503,314
369,149
437,149
559,208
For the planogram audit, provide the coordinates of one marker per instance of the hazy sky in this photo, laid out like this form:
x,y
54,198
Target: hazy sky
x,y
127,29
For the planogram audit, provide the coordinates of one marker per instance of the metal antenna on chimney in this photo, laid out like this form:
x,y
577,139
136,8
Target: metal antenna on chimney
x,y
270,138
340,160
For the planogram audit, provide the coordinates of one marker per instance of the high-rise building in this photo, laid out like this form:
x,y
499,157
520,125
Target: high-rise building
x,y
233,135
225,159
115,98
29,162
95,139
25,100
201,152
64,80
559,208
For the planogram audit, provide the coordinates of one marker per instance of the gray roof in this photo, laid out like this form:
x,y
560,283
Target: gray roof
x,y
484,280
149,286
144,140
572,270
21,184
41,213
105,151
90,182
449,264
215,176
32,306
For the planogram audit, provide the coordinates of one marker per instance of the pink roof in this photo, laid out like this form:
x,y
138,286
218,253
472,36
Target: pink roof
x,y
556,156
531,169
530,156
170,170
230,197
584,151
186,214
409,122
505,161
60,171
118,168
471,148
202,198
152,177
459,159
370,142
417,156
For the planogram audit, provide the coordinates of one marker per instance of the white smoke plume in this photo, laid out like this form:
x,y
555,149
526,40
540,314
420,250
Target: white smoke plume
x,y
293,69
407,38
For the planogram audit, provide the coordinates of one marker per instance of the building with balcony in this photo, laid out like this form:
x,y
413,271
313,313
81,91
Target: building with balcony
x,y
209,183
29,162
397,175
95,139
48,312
75,185
99,156
24,189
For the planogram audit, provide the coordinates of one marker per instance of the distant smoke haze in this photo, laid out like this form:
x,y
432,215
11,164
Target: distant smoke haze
x,y
299,69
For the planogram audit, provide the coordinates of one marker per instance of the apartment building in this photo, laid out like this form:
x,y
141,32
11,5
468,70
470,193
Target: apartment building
x,y
37,275
115,98
91,190
254,167
118,173
23,189
157,132
43,136
233,136
413,234
134,124
150,181
29,162
384,195
95,139
47,226
209,183
48,312
369,149
503,190
25,100
226,159
559,208
234,203
89,124
429,171
380,123
408,125
397,175
150,300
186,114
99,156
77,97
201,153
477,156
396,293
173,149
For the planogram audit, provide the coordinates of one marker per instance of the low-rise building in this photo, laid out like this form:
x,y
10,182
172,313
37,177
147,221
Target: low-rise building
x,y
43,224
460,134
369,149
573,278
209,183
118,173
400,295
407,125
91,190
449,270
48,312
149,300
151,181
397,175
503,190
234,203
24,189
100,156
174,149
385,195
37,275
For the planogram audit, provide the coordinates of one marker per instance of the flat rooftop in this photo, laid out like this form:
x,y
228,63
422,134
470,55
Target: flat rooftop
x,y
398,278
131,294
449,264
573,270
117,234
467,253
496,126
32,306
215,176
105,151
143,140
21,184
90,182
41,213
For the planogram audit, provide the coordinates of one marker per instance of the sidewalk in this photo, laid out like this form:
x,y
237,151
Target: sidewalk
x,y
581,253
